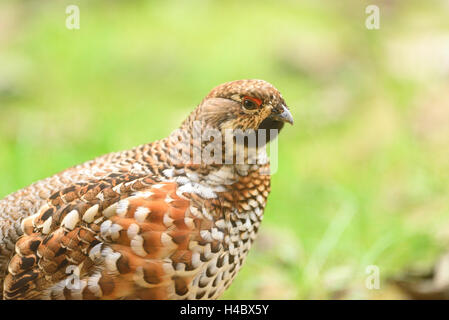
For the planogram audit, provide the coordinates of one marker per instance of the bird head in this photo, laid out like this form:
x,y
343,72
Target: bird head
x,y
244,104
250,112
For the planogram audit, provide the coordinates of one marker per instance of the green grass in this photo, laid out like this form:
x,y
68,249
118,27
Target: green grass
x,y
362,176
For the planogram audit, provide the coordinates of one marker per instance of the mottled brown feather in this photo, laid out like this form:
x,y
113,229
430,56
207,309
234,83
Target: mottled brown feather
x,y
125,226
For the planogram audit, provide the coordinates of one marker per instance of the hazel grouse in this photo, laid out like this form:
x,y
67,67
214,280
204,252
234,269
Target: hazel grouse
x,y
140,225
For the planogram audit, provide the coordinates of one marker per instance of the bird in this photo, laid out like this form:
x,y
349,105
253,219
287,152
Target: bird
x,y
148,223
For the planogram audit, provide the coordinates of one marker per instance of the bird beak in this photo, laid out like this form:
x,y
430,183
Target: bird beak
x,y
284,116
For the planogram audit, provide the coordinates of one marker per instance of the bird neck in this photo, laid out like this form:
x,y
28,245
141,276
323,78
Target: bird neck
x,y
196,145
204,165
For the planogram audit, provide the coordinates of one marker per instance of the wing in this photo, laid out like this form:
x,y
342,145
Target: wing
x,y
28,201
117,238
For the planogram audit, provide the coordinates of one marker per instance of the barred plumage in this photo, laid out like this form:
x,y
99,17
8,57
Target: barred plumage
x,y
138,224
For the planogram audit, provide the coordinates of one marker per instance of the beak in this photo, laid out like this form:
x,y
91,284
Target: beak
x,y
285,116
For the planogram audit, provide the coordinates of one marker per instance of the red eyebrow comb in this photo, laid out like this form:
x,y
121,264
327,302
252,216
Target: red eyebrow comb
x,y
255,100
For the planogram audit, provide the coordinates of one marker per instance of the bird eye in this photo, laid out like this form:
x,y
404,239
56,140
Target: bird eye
x,y
251,103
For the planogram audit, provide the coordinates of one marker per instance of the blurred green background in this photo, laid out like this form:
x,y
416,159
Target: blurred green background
x,y
363,176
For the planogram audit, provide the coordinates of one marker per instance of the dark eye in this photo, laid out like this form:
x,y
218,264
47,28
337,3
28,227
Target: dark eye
x,y
251,103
